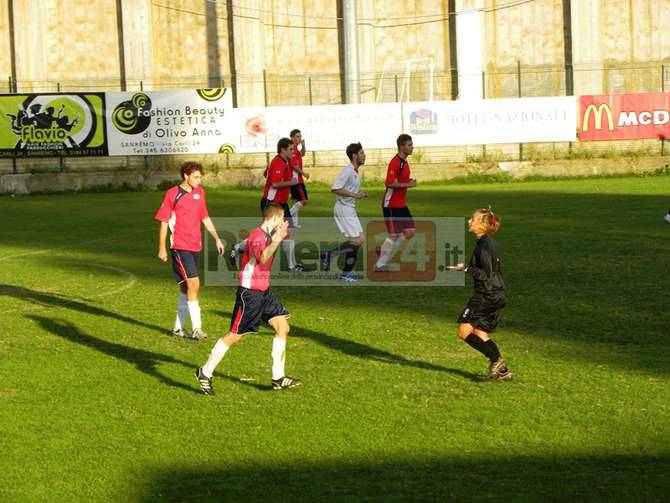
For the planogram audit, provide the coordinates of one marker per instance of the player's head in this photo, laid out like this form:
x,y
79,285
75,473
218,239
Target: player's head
x,y
285,148
273,214
405,144
191,173
483,221
356,154
296,136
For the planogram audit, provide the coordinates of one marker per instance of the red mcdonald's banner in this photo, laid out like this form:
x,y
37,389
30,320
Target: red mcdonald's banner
x,y
624,116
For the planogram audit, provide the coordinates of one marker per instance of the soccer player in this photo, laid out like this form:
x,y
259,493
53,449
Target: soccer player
x,y
298,191
482,313
183,209
399,223
347,187
277,190
255,302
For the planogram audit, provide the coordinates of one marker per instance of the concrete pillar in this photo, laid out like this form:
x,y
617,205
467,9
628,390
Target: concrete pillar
x,y
352,90
137,41
249,46
587,46
31,21
470,48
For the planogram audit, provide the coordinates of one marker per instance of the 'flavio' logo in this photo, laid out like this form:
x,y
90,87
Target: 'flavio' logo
x,y
133,116
598,111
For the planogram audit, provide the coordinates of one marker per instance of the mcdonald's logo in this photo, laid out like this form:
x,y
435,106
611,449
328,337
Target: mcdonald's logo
x,y
597,112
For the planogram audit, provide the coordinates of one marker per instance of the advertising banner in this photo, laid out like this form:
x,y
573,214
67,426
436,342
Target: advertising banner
x,y
518,120
326,127
624,116
44,125
169,122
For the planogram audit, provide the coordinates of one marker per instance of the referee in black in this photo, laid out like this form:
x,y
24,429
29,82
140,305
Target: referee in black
x,y
481,315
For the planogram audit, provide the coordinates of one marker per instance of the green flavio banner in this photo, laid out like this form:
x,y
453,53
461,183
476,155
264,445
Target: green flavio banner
x,y
45,125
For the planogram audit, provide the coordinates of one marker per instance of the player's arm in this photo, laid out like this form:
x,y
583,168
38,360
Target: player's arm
x,y
402,185
303,150
345,193
280,233
392,178
162,238
485,270
207,222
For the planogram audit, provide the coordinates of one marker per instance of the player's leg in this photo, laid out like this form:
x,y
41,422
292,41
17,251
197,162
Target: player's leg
x,y
277,316
181,270
389,246
299,195
288,244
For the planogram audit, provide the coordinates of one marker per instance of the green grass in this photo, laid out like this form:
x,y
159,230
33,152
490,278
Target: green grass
x,y
97,404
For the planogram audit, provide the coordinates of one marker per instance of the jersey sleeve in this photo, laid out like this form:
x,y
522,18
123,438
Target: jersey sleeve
x,y
275,173
482,268
342,180
256,245
204,213
392,172
165,211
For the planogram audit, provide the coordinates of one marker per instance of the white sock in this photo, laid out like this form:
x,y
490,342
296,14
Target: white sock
x,y
278,357
295,209
289,249
194,311
182,312
385,254
215,357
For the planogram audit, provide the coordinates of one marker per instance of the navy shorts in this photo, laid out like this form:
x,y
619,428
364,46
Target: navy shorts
x,y
287,211
483,312
398,220
185,264
299,192
252,307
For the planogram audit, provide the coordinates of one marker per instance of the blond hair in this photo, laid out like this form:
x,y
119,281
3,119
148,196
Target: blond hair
x,y
489,222
272,210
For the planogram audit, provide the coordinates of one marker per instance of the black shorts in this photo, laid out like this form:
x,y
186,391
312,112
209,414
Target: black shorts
x,y
185,264
252,307
483,312
287,211
398,220
299,192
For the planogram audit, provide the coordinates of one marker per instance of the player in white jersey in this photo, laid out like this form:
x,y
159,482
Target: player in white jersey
x,y
347,187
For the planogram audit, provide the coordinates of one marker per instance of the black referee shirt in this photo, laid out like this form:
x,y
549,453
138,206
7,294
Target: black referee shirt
x,y
485,267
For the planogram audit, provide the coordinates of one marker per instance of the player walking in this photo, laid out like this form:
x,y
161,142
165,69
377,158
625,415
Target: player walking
x,y
482,313
183,209
255,302
399,223
347,189
298,190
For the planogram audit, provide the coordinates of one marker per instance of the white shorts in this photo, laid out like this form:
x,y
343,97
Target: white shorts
x,y
347,221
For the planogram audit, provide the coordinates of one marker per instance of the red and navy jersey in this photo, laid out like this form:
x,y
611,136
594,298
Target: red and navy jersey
x,y
296,161
398,171
184,212
278,171
255,275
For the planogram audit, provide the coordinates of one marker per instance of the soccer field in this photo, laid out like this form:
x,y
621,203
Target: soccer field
x,y
98,404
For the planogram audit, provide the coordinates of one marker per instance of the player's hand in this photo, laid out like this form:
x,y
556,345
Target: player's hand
x,y
162,255
302,144
220,247
305,175
361,195
458,267
412,182
281,232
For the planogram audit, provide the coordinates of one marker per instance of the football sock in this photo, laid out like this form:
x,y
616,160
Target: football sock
x,y
288,245
182,312
385,254
241,246
194,311
215,357
475,342
341,249
278,357
493,349
295,209
350,258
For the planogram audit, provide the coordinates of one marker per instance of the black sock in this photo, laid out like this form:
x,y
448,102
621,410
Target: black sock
x,y
483,347
350,258
342,249
495,352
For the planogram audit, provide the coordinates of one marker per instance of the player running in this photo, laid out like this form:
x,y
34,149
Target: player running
x,y
255,302
399,223
347,189
183,209
482,313
298,191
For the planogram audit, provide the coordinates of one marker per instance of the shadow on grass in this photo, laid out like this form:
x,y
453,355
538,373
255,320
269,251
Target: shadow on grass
x,y
359,350
500,478
145,361
56,300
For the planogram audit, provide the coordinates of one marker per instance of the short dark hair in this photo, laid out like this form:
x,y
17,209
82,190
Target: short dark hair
x,y
353,149
402,139
189,167
283,143
294,132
